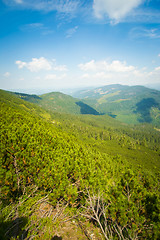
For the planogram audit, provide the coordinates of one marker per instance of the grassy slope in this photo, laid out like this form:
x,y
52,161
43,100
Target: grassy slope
x,y
59,102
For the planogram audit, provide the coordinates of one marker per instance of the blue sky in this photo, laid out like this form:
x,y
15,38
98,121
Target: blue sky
x,y
59,44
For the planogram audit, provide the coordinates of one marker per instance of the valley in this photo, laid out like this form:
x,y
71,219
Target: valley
x,y
128,104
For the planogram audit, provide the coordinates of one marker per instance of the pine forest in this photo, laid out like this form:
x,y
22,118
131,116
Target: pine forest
x,y
76,176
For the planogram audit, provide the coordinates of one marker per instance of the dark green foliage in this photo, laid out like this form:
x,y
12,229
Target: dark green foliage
x,y
138,144
30,143
30,98
63,155
144,107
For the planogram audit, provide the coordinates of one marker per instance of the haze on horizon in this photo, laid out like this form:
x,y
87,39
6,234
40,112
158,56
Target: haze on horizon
x,y
77,43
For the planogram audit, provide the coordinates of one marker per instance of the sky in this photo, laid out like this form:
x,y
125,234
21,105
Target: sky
x,y
60,44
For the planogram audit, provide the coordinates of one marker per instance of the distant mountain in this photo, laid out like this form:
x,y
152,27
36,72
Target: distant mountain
x,y
59,102
129,104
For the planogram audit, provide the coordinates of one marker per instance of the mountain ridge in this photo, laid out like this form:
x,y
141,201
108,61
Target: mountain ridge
x,y
58,102
130,104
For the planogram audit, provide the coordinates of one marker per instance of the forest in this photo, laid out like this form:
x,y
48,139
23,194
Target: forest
x,y
67,176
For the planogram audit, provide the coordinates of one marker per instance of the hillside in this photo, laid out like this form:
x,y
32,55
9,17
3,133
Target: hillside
x,y
59,102
131,105
135,104
76,177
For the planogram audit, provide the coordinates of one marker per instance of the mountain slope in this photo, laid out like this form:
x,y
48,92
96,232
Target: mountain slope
x,y
128,104
59,102
51,169
90,128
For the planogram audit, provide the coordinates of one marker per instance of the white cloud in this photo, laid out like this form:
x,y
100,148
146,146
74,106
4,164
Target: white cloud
x,y
21,64
36,64
114,66
159,55
6,74
104,72
39,64
114,9
60,68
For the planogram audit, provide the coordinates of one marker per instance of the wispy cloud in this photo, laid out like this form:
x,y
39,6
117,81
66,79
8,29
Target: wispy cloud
x,y
39,64
116,10
144,15
61,6
113,11
34,27
140,32
71,31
